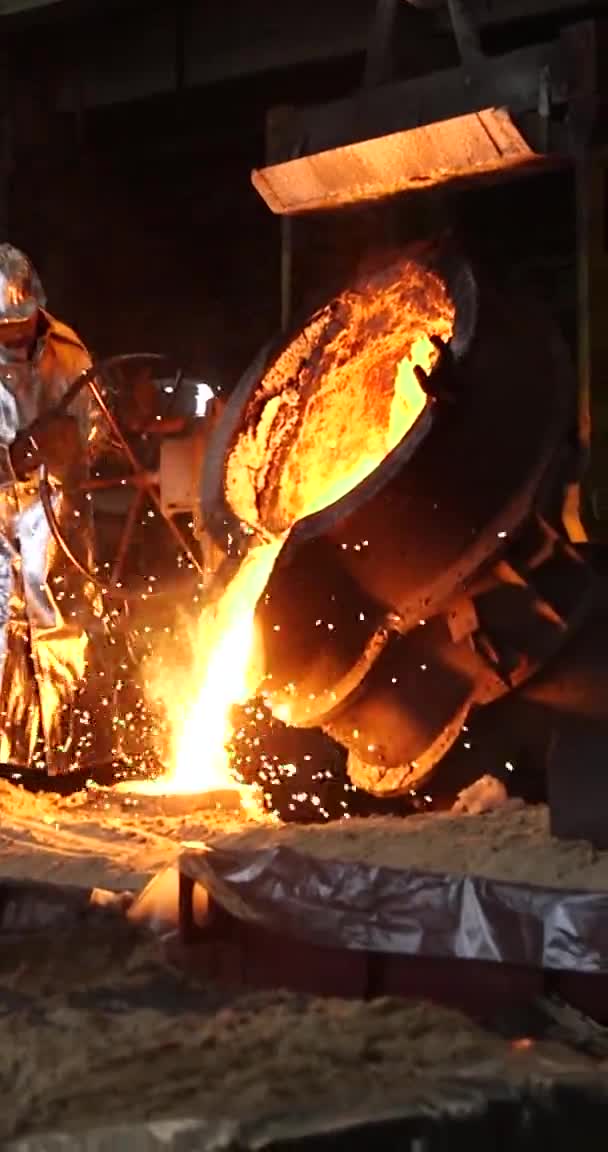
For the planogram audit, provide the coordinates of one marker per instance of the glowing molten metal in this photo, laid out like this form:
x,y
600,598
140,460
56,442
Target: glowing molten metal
x,y
333,405
227,675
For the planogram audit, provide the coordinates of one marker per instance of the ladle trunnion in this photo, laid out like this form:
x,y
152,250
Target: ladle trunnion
x,y
442,580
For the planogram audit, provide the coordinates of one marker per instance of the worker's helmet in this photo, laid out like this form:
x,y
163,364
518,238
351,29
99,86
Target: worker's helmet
x,y
21,292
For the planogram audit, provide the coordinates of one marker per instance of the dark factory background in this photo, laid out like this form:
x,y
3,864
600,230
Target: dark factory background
x,y
129,131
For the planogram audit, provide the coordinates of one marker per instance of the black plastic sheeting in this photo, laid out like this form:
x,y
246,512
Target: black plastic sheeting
x,y
353,905
29,906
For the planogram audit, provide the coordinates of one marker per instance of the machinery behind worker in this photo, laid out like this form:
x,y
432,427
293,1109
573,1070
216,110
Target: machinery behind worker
x,y
435,574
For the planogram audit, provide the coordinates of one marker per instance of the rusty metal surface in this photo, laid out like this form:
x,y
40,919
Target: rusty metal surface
x,y
377,909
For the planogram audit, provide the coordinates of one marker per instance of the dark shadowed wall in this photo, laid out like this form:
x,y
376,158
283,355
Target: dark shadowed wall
x,y
150,236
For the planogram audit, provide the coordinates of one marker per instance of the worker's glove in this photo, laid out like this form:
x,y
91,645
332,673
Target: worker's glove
x,y
442,382
54,441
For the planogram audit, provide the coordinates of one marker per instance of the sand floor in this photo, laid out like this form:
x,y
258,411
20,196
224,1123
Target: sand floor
x,y
94,1030
92,841
98,841
512,843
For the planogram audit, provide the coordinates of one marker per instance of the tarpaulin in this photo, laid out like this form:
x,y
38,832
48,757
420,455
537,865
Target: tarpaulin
x,y
32,906
354,905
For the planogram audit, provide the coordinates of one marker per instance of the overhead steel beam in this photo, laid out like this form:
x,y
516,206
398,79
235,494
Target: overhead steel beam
x,y
379,45
510,81
488,12
13,7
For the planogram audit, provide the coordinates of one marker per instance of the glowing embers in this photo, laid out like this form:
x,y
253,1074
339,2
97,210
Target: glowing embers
x,y
339,398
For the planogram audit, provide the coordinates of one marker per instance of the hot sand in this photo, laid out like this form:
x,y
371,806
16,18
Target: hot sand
x,y
93,841
512,843
96,1032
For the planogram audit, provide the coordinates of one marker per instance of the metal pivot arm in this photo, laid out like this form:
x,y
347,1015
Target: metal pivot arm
x,y
376,67
586,511
143,482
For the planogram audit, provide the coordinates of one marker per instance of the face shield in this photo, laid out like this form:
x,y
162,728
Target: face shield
x,y
16,340
21,298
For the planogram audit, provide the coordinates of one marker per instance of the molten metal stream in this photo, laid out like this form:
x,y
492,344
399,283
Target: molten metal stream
x,y
366,399
227,675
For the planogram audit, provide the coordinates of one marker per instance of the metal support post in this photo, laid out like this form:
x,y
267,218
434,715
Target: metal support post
x,y
378,54
587,44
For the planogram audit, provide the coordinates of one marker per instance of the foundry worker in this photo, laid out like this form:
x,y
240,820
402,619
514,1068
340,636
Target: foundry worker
x,y
55,678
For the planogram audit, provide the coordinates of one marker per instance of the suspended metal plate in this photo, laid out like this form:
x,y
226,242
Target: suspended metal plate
x,y
464,148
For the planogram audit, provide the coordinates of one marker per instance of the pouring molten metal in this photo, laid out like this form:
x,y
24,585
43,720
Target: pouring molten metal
x,y
320,425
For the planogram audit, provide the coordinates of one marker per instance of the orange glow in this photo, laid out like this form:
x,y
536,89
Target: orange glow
x,y
407,404
474,147
226,674
356,397
340,397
